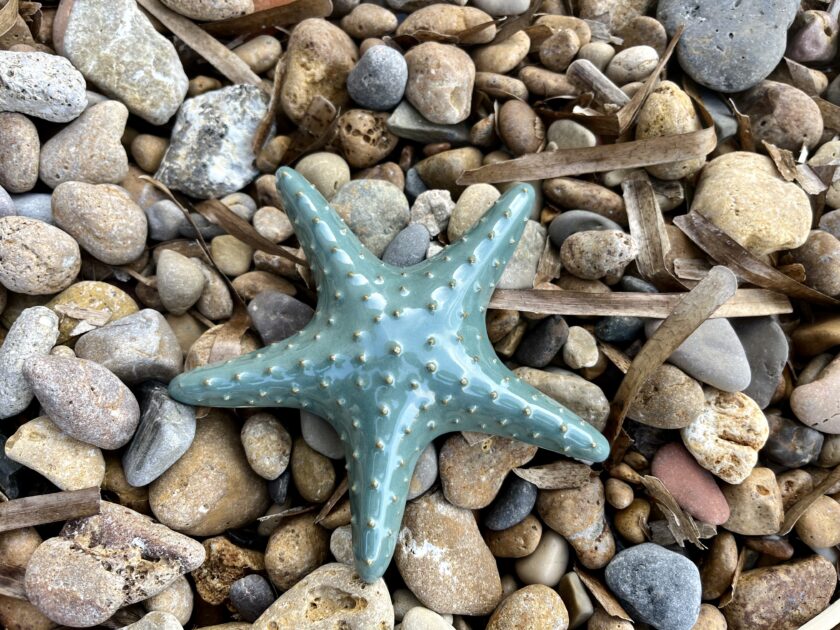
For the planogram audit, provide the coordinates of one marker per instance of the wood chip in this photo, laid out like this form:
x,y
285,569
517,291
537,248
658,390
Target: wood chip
x,y
830,113
691,311
616,356
598,159
270,116
219,56
680,524
8,16
745,303
549,266
11,581
279,517
660,533
286,15
48,508
811,180
723,248
798,509
227,343
339,492
562,474
602,595
783,159
745,137
92,316
802,77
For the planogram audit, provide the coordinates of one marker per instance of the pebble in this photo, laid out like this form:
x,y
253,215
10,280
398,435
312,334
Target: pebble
x,y
601,620
103,219
521,269
332,596
68,463
830,222
211,11
819,525
512,504
164,434
719,568
320,436
7,204
442,558
251,596
790,444
406,122
580,349
211,487
432,209
276,316
534,606
783,596
165,220
441,170
502,7
669,399
85,400
318,60
215,301
567,134
273,224
766,347
224,564
594,254
33,334
576,599
472,204
89,149
41,85
782,115
425,472
578,515
368,20
101,563
549,559
582,397
503,57
440,82
260,53
540,344
108,46
19,163
278,488
720,49
820,256
568,192
755,504
692,486
556,53
726,436
375,210
108,301
517,541
814,403
812,338
156,621
313,473
668,111
760,210
210,153
572,221
657,586
328,172
176,599
297,547
378,80
364,137
231,255
520,128
341,544
632,64
267,445
712,354
448,19
180,281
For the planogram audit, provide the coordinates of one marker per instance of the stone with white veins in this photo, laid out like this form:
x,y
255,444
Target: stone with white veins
x,y
211,154
41,85
33,334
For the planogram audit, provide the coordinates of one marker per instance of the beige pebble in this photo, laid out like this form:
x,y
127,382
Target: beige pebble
x,y
755,504
668,399
440,171
632,64
199,353
313,473
369,20
580,349
296,548
517,541
473,203
595,254
273,224
557,52
719,568
326,171
202,84
619,494
176,599
794,484
448,19
180,281
260,53
534,606
500,86
504,56
90,295
232,256
572,194
21,152
35,257
547,563
224,563
631,522
147,150
440,82
600,620
268,446
710,619
598,53
545,83
215,301
819,526
252,283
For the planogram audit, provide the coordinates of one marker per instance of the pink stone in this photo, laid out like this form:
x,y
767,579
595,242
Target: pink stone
x,y
693,487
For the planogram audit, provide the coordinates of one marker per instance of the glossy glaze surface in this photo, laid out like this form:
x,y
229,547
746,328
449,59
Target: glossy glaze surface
x,y
393,358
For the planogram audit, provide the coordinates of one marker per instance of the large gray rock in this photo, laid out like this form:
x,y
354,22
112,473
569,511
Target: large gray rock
x,y
117,49
210,154
41,85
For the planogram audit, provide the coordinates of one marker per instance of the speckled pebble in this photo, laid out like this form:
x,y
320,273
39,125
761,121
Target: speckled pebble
x,y
440,82
408,247
341,544
432,209
267,445
580,349
591,255
540,344
375,210
514,502
36,258
180,281
42,85
425,472
251,596
572,221
378,80
19,162
534,606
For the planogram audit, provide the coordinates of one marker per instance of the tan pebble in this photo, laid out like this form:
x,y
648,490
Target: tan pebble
x,y
819,526
232,256
500,322
710,619
573,193
180,281
632,64
136,499
619,494
794,484
340,515
755,504
260,53
35,257
369,20
202,84
313,473
585,399
267,445
644,30
272,153
625,473
296,548
669,399
471,205
556,22
442,170
504,56
517,541
820,255
252,283
176,599
21,153
224,564
326,171
273,224
534,606
558,51
211,11
147,150
595,254
448,19
199,353
364,137
719,567
500,86
520,127
576,598
580,349
782,115
387,171
440,82
545,83
631,522
599,54
187,329
215,301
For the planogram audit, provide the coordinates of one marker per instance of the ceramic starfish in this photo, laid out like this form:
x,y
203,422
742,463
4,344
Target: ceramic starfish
x,y
393,358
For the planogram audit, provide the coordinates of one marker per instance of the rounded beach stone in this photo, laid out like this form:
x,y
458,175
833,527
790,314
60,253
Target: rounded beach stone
x,y
375,210
540,344
521,269
369,20
165,220
267,445
657,586
211,488
449,19
319,57
591,255
440,82
328,172
176,599
277,316
819,526
19,162
518,541
461,577
156,620
36,258
504,56
296,548
632,64
815,404
42,85
559,50
743,194
251,596
211,11
180,281
581,349
820,255
33,334
514,502
148,150
85,400
719,568
425,472
320,435
572,221
534,606
520,128
784,596
408,247
103,219
766,347
472,204
782,115
313,474
70,464
89,149
332,596
442,170
692,486
547,563
755,504
668,399
727,435
341,544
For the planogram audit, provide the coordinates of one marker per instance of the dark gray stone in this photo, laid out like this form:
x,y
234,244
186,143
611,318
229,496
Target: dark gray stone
x,y
202,226
278,489
320,436
619,328
636,285
165,432
514,502
165,220
542,342
729,45
791,444
726,125
766,347
251,596
406,122
408,247
277,316
378,80
656,586
425,472
414,185
567,223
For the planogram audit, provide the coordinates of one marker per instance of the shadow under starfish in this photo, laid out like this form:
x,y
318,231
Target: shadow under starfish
x,y
393,358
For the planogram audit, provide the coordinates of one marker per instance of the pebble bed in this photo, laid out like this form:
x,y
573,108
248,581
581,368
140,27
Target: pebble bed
x,y
212,518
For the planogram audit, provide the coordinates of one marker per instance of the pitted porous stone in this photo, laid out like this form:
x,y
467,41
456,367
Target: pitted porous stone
x,y
211,154
41,85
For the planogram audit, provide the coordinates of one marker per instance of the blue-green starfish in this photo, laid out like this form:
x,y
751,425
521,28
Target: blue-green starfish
x,y
393,358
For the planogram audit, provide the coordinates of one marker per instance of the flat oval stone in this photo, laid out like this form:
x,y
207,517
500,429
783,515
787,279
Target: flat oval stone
x,y
815,403
251,596
375,210
180,281
425,472
540,344
19,163
176,599
267,445
211,11
514,502
518,541
41,85
84,399
582,397
819,526
406,122
766,347
521,269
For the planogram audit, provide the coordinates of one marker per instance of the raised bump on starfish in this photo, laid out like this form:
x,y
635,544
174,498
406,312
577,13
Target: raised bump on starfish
x,y
393,358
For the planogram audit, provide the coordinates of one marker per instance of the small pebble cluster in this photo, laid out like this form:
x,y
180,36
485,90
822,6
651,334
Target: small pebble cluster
x,y
110,287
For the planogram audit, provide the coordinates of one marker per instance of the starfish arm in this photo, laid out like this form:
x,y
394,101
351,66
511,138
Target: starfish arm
x,y
330,246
